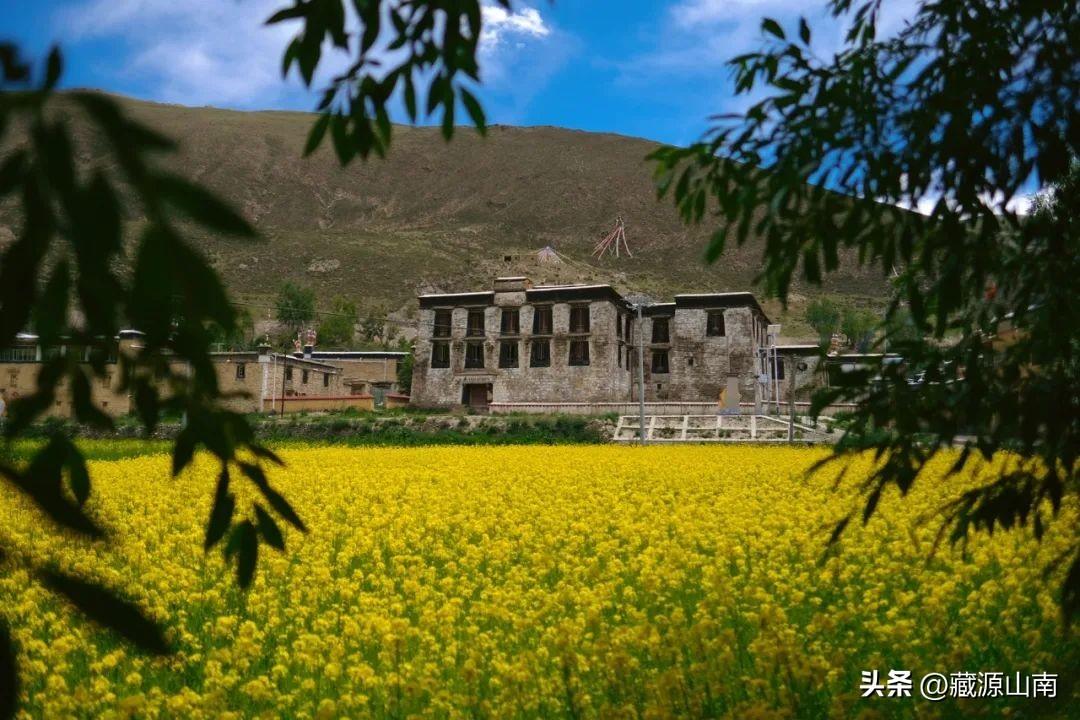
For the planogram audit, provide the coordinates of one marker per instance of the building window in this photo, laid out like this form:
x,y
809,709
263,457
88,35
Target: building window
x,y
660,330
542,320
618,326
619,354
18,354
508,354
690,361
579,352
288,373
326,380
241,371
540,353
304,377
474,355
579,318
475,327
511,322
629,357
714,327
443,320
440,355
660,361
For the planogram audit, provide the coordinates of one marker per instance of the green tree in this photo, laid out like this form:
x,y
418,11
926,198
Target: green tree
x,y
858,326
373,326
823,315
965,106
338,328
295,306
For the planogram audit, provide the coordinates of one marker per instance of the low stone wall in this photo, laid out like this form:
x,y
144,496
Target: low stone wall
x,y
315,403
651,408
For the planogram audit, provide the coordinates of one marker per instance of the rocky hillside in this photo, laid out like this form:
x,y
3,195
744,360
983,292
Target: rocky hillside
x,y
438,216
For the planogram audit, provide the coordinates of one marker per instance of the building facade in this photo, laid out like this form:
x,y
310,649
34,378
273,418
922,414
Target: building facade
x,y
251,381
522,344
365,372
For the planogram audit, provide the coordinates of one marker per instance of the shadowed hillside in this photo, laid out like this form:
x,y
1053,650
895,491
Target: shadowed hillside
x,y
438,216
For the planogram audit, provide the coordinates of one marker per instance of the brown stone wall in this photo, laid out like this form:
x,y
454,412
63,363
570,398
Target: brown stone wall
x,y
600,380
20,380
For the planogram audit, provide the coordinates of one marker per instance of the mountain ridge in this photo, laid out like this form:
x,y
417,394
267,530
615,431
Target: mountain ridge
x,y
437,216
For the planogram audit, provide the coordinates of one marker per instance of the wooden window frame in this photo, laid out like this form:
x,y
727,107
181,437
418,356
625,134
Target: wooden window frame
x,y
582,358
545,361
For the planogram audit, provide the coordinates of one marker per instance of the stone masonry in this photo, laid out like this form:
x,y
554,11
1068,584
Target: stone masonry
x,y
699,348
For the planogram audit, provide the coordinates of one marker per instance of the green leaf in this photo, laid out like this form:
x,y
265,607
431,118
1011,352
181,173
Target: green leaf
x,y
51,311
107,609
54,67
9,673
343,146
276,500
82,398
318,130
804,31
41,482
296,11
183,449
717,242
244,544
410,97
202,205
773,28
222,512
269,530
78,475
476,113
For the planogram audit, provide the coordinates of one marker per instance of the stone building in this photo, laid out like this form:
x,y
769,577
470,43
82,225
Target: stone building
x,y
253,381
366,372
523,344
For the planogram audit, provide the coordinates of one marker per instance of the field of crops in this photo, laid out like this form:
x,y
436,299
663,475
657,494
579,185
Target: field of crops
x,y
537,582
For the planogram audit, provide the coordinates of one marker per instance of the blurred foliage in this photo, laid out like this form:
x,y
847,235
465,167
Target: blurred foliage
x,y
422,52
61,276
961,110
65,259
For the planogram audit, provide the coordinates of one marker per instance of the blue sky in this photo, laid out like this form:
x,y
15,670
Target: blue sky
x,y
647,68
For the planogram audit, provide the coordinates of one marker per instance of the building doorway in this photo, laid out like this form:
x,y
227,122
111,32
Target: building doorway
x,y
477,396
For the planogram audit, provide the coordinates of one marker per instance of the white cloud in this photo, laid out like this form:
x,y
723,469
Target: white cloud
x,y
501,24
506,38
195,52
220,52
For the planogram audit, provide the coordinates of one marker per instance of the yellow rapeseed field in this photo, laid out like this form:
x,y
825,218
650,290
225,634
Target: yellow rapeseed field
x,y
503,582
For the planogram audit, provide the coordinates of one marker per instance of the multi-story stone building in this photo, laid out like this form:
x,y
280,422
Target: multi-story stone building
x,y
579,343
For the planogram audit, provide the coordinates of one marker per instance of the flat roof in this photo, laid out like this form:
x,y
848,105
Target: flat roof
x,y
705,301
570,293
486,297
360,354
